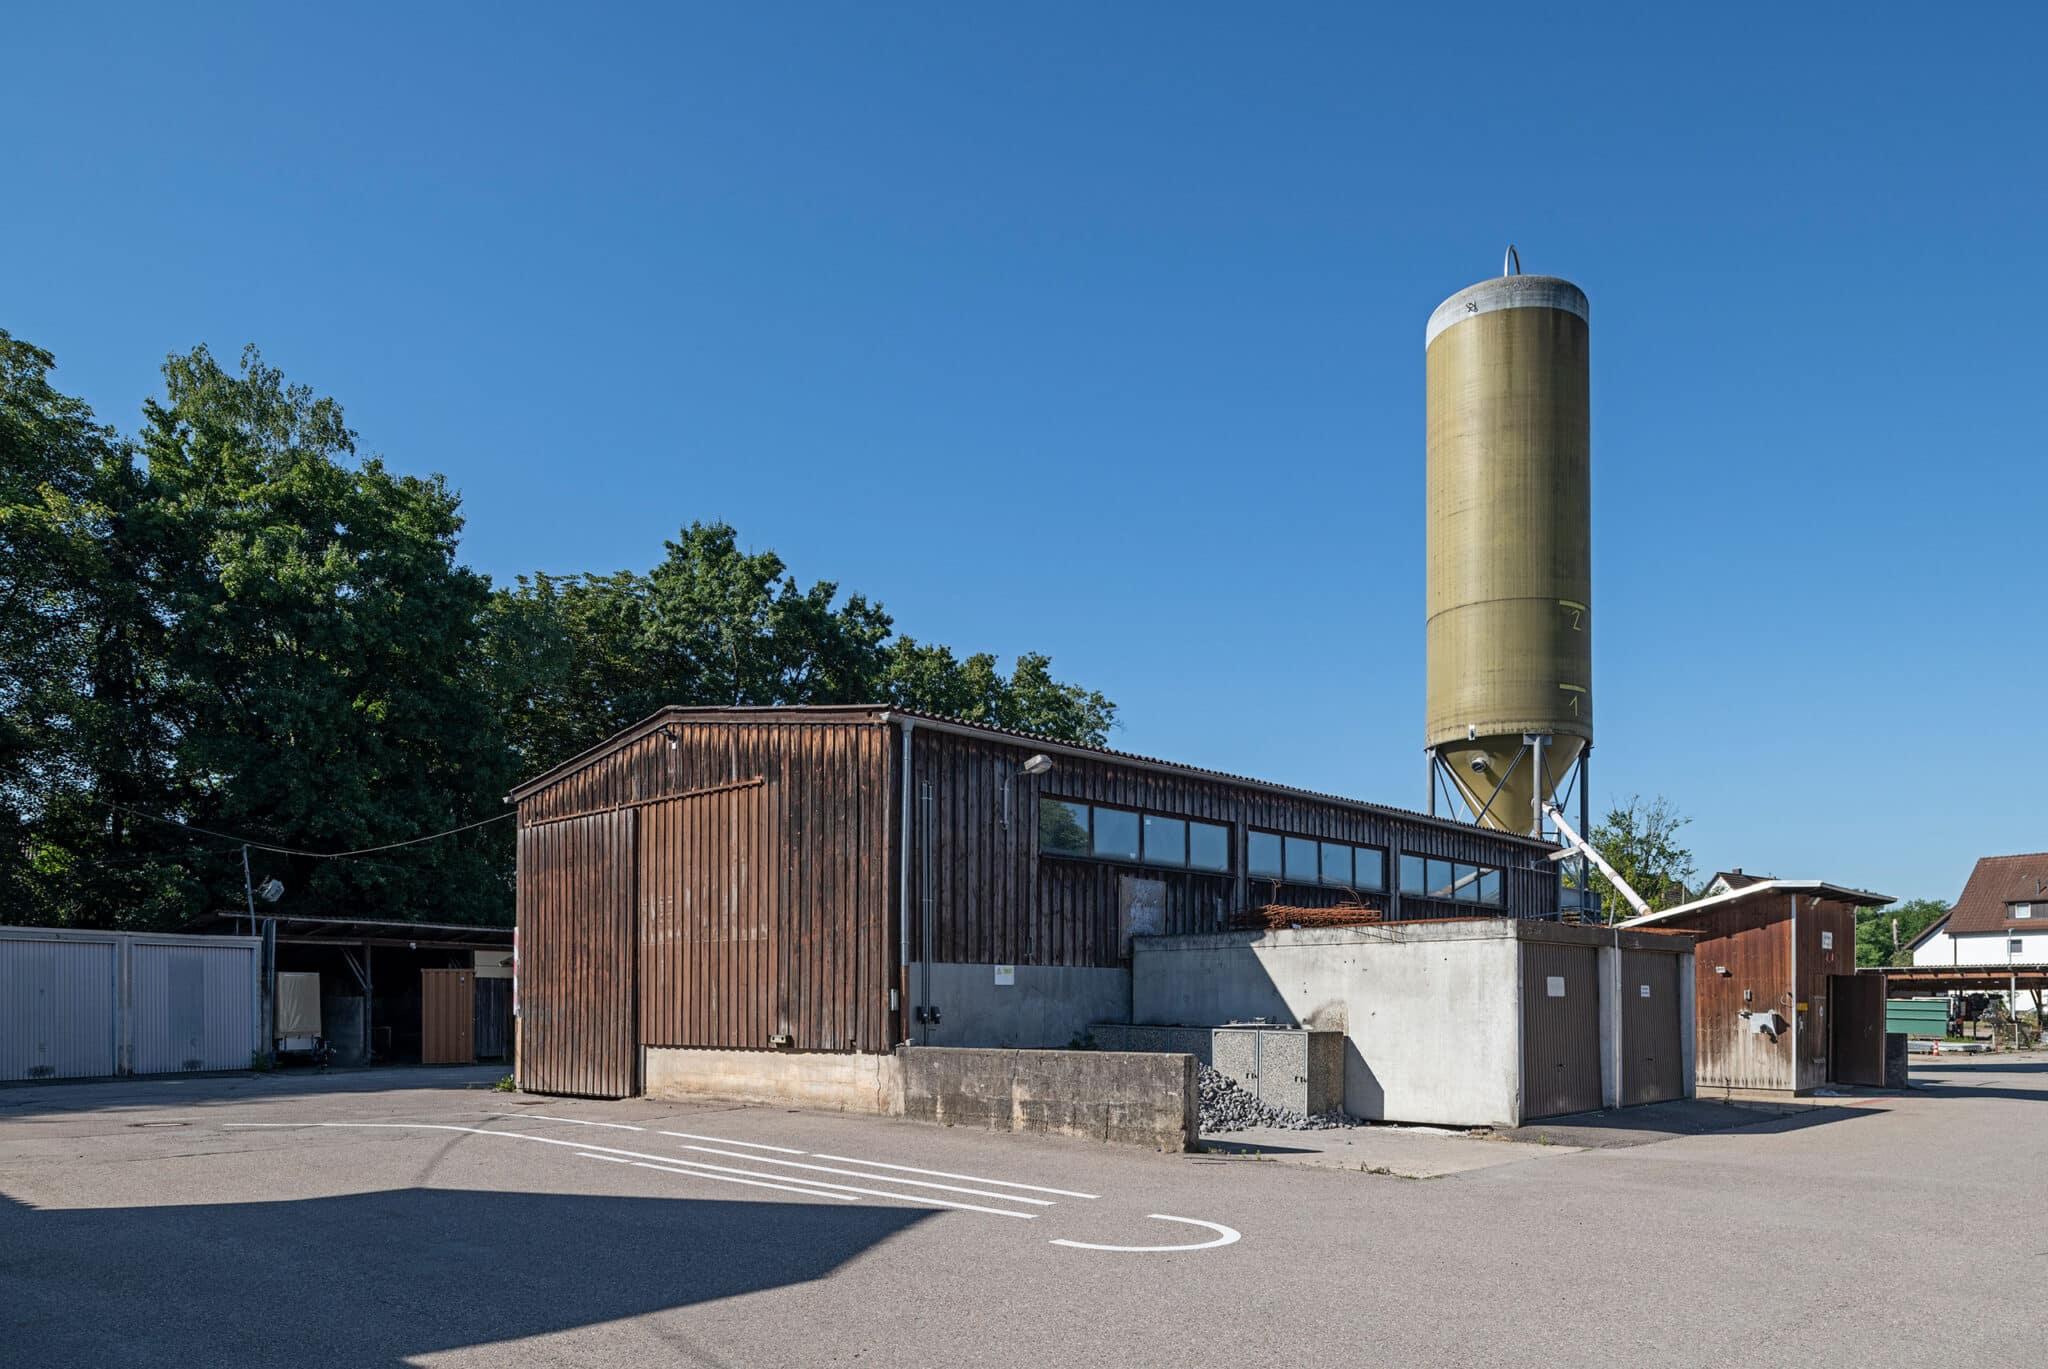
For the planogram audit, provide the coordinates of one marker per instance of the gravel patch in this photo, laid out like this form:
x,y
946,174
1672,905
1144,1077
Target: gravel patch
x,y
1226,1106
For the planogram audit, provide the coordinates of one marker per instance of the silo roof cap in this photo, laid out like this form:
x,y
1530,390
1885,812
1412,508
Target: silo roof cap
x,y
1509,292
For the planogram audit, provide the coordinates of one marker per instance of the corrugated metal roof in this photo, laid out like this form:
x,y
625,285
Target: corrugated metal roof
x,y
1995,883
880,713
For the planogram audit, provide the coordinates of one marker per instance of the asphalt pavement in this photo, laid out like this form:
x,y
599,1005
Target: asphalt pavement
x,y
419,1217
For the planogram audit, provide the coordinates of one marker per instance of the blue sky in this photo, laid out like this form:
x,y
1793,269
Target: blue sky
x,y
1098,332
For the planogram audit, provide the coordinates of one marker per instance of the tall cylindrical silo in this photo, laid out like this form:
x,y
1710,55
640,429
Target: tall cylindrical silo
x,y
1510,551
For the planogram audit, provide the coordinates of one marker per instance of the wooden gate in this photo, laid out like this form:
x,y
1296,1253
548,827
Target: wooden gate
x,y
1560,1029
1652,1064
447,1017
578,956
1856,1031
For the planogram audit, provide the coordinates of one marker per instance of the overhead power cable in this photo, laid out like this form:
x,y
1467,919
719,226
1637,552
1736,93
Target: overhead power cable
x,y
257,845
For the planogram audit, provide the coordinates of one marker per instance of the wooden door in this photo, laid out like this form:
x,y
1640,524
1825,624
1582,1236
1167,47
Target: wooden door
x,y
447,1017
1856,1029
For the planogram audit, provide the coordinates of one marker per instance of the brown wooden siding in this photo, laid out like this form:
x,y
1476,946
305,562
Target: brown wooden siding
x,y
1819,919
996,899
761,896
576,957
1751,939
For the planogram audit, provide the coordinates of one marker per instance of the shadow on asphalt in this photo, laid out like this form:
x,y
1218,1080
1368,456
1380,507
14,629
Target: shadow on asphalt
x,y
31,1098
380,1278
1654,1122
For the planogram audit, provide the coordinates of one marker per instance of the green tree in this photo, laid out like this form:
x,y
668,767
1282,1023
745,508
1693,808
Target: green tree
x,y
83,736
1882,934
1641,841
576,658
322,643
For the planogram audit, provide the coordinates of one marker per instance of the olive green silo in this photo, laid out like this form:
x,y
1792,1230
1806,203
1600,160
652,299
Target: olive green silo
x,y
1510,557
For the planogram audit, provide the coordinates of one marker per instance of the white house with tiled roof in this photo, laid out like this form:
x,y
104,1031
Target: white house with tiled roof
x,y
2001,917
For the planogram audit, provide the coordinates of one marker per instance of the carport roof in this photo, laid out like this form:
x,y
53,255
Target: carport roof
x,y
356,931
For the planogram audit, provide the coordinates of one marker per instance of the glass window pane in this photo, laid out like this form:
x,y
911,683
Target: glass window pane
x,y
1262,855
1336,864
1166,841
1468,884
1063,827
1208,846
1372,868
1301,861
1412,878
1441,877
1116,833
1489,887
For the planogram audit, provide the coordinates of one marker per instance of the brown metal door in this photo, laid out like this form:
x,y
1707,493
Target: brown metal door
x,y
1856,1047
1560,1029
1652,1067
578,959
447,1017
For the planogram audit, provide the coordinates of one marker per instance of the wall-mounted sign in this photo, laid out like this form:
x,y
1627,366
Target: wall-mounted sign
x,y
1645,990
1554,985
1827,941
1006,974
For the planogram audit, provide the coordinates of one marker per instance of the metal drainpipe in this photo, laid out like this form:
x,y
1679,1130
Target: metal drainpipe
x,y
902,984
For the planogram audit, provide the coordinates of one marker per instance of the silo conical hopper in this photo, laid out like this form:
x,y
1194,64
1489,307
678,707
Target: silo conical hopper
x,y
1509,637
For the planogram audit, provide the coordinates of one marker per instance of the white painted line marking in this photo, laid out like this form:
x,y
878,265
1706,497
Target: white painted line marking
x,y
722,1141
1229,1237
857,1174
638,1155
971,1178
719,1178
572,1121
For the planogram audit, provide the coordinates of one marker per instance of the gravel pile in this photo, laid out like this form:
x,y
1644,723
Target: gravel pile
x,y
1227,1107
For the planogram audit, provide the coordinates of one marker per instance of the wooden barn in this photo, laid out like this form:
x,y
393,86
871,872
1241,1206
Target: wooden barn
x,y
1779,1007
839,880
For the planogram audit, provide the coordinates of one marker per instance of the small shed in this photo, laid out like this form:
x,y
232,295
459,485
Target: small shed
x,y
1780,1008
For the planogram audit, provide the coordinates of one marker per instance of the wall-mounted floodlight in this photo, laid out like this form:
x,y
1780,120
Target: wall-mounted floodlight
x,y
1036,765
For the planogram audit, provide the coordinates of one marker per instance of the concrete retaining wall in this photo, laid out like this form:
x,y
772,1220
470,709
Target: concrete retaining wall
x,y
830,1082
1431,1013
1126,1098
1046,1006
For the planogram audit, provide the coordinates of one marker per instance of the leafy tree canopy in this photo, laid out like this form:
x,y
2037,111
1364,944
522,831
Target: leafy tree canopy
x,y
1883,934
234,620
1642,842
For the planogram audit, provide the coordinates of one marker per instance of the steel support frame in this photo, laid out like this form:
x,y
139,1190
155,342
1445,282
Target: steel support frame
x,y
1439,777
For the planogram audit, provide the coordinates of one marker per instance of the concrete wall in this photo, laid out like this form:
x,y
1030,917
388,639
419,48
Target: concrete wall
x,y
1128,1099
1431,1013
1044,1006
831,1082
1125,1098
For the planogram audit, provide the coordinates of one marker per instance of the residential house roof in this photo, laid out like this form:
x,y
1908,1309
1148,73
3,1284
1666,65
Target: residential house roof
x,y
1997,883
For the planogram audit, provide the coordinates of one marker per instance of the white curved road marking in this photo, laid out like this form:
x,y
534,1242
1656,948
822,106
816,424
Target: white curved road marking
x,y
1228,1237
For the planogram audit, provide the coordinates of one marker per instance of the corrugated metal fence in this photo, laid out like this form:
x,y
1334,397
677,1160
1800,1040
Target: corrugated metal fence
x,y
82,1005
